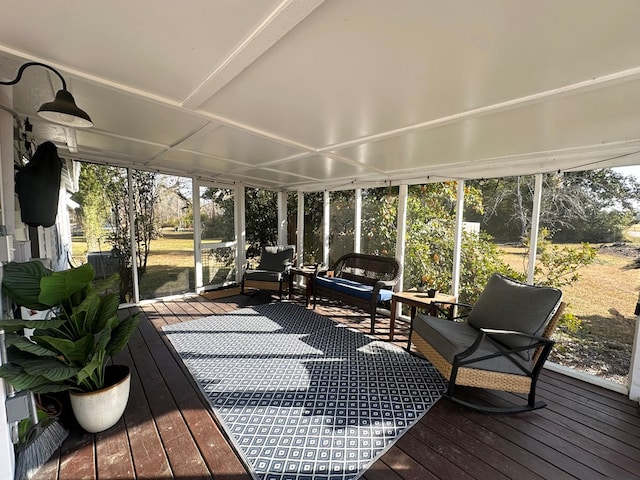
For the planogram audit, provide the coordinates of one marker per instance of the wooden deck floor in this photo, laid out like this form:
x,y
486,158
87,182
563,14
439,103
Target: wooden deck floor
x,y
168,431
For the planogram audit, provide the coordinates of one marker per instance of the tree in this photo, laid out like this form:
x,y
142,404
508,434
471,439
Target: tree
x,y
379,226
260,216
593,205
341,220
558,266
431,237
313,212
430,242
94,211
104,196
145,196
261,220
174,207
219,222
430,233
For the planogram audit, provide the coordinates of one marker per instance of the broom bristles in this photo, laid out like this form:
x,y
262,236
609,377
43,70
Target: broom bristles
x,y
36,453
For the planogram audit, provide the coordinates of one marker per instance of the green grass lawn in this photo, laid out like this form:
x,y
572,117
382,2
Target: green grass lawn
x,y
170,266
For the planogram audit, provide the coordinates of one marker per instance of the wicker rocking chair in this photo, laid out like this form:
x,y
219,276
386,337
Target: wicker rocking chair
x,y
502,343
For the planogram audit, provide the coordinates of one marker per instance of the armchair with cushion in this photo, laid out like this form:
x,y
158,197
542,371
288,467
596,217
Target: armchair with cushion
x,y
273,270
502,343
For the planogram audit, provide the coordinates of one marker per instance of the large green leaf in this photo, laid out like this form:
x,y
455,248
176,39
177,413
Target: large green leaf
x,y
92,374
90,305
21,282
59,286
76,298
13,325
26,345
78,324
17,356
108,310
10,371
105,284
104,336
50,368
75,351
122,333
46,387
23,381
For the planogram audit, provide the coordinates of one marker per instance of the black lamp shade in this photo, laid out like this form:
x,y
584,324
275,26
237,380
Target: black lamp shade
x,y
63,110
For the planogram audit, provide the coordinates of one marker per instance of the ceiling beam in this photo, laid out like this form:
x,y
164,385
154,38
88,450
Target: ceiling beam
x,y
282,20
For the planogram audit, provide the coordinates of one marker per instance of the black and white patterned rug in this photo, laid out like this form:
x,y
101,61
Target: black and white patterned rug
x,y
301,396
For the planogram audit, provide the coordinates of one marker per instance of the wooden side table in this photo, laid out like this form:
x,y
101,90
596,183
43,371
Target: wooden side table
x,y
307,272
415,300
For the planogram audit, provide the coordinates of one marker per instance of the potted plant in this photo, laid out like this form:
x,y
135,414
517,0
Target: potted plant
x,y
70,350
424,282
427,283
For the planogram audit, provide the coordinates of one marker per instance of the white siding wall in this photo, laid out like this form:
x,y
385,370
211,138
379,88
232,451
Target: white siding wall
x,y
6,193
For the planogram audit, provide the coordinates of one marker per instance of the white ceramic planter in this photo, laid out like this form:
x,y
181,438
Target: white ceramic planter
x,y
100,410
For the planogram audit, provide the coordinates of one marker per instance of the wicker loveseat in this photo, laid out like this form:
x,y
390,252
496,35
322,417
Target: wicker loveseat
x,y
502,345
360,280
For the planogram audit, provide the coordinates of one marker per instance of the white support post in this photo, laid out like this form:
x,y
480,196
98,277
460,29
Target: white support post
x,y
300,229
326,230
7,173
401,226
357,223
197,235
132,239
634,369
241,234
535,223
457,243
282,218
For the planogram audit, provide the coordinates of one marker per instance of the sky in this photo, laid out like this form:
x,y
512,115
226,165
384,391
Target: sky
x,y
633,170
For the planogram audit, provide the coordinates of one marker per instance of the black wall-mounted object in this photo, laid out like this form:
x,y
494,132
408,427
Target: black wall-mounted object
x,y
38,186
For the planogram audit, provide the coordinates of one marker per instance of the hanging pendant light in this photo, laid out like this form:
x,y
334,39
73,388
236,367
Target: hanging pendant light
x,y
63,109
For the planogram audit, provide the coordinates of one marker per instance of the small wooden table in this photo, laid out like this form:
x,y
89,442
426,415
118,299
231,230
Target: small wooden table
x,y
415,300
307,272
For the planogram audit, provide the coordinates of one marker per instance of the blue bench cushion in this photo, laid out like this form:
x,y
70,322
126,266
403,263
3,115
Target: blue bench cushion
x,y
352,288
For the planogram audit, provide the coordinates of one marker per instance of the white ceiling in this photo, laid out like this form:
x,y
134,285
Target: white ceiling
x,y
313,94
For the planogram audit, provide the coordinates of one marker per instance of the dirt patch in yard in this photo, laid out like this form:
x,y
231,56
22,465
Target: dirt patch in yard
x,y
622,249
604,300
606,354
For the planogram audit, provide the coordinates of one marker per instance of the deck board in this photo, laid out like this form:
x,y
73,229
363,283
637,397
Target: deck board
x,y
168,430
180,446
198,430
